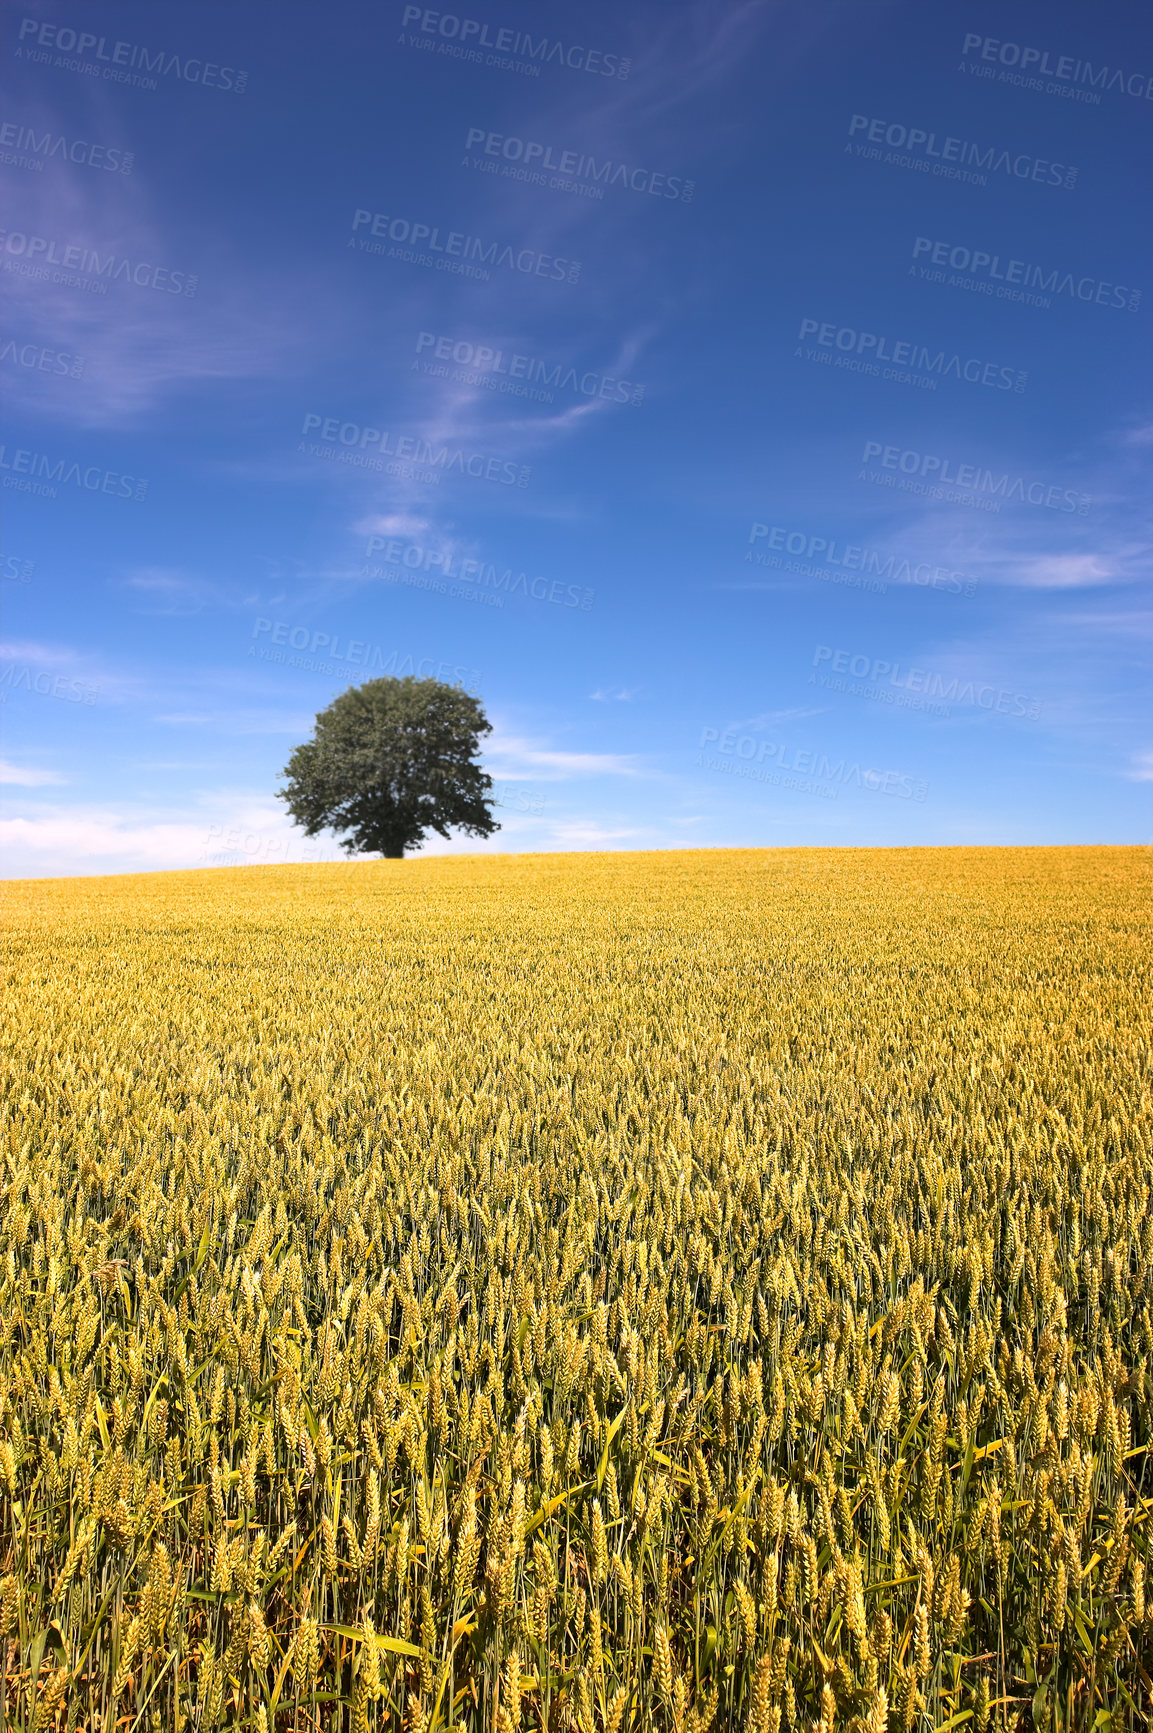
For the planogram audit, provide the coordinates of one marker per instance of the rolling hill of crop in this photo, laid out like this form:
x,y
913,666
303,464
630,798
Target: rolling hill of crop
x,y
608,1292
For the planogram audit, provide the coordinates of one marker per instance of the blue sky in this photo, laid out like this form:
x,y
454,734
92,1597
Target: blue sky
x,y
750,401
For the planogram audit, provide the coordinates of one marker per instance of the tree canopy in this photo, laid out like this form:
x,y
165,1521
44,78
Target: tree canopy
x,y
388,762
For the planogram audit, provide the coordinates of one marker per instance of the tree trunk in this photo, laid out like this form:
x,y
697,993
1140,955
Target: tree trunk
x,y
393,852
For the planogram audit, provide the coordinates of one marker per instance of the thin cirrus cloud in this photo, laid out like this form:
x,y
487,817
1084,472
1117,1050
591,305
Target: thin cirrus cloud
x,y
1011,557
65,840
1128,623
455,423
27,776
237,722
1063,572
513,754
768,717
470,411
439,549
230,828
394,523
39,655
137,343
587,833
165,591
63,658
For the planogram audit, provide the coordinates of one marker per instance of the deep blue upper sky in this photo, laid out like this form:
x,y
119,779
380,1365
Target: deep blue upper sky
x,y
750,401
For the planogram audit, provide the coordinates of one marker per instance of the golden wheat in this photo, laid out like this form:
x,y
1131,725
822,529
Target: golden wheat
x,y
605,1293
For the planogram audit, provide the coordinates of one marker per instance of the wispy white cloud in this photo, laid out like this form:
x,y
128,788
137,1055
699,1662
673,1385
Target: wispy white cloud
x,y
165,591
768,717
623,695
113,687
587,833
71,842
441,550
393,523
1142,767
27,776
1062,571
229,828
37,654
507,754
1130,623
239,721
233,828
139,344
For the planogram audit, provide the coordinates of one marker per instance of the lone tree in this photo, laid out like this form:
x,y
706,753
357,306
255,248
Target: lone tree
x,y
389,761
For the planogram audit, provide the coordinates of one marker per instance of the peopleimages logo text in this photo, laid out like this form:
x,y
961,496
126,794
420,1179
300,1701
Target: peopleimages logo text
x,y
921,681
519,44
14,678
411,448
42,147
535,158
954,157
820,774
466,255
35,472
478,360
39,251
853,557
1065,66
925,471
358,652
123,60
917,357
1011,272
442,563
43,360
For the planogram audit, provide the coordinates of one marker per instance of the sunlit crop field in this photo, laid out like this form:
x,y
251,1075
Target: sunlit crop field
x,y
598,1292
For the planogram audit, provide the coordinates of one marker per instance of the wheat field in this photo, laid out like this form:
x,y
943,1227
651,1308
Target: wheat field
x,y
602,1292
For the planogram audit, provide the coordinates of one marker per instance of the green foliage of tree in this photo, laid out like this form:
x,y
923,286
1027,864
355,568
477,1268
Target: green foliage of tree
x,y
388,762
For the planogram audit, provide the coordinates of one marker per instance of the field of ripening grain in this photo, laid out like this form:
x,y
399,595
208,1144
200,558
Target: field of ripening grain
x,y
607,1292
